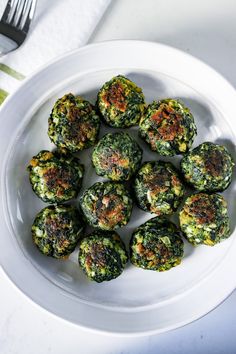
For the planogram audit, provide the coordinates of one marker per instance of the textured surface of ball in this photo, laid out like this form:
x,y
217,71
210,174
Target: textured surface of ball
x,y
102,255
156,245
208,167
158,188
55,176
56,230
204,219
106,205
73,123
120,102
168,127
117,156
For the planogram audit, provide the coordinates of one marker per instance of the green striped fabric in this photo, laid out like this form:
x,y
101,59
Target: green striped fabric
x,y
11,72
7,70
3,95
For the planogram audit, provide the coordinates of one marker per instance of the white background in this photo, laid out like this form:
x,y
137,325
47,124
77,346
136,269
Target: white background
x,y
206,29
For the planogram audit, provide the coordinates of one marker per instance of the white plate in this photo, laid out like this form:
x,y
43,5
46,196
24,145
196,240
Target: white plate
x,y
139,301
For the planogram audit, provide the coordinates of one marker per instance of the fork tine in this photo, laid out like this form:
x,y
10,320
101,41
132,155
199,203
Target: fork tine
x,y
7,10
16,21
15,10
29,16
21,13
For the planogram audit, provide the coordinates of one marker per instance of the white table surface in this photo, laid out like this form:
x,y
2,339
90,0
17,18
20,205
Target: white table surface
x,y
206,29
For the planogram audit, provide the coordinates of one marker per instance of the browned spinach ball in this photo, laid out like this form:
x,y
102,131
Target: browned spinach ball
x,y
56,230
208,167
106,205
158,187
120,102
156,245
55,176
73,123
117,156
168,127
102,255
204,219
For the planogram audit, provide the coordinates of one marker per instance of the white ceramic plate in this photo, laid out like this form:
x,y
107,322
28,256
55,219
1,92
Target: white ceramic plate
x,y
139,301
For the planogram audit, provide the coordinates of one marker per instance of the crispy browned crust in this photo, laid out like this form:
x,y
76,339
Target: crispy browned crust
x,y
115,96
201,208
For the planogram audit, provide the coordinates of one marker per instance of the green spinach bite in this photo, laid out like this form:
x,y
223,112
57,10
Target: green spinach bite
x,y
158,188
73,123
106,205
117,156
204,219
120,102
57,229
168,127
102,255
55,177
156,245
208,167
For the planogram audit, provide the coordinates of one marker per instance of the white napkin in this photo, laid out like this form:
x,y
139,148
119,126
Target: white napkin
x,y
58,27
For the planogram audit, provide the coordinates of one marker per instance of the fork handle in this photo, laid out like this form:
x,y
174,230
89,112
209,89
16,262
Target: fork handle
x,y
13,33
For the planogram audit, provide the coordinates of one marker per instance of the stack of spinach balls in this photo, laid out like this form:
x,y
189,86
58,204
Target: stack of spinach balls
x,y
157,187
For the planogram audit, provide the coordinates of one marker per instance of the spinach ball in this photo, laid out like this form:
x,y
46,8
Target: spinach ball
x,y
208,167
57,229
156,245
168,127
204,219
55,176
102,255
106,205
73,123
117,156
158,188
120,102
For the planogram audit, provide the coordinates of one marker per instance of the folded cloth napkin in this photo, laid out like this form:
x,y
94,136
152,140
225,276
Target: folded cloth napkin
x,y
58,27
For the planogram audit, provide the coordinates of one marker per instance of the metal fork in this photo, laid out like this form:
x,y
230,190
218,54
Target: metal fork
x,y
15,23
